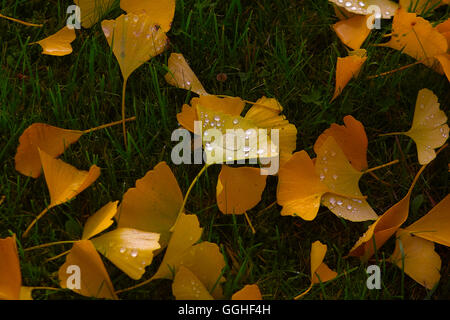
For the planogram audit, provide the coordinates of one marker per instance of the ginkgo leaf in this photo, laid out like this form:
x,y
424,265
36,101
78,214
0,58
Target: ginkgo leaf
x,y
417,38
94,279
204,259
51,140
239,189
181,75
435,225
417,258
387,8
299,187
64,181
134,38
320,272
422,6
153,205
444,29
186,286
342,179
444,60
160,11
249,292
353,31
26,293
130,250
59,44
91,11
429,129
348,68
10,275
384,227
351,138
100,221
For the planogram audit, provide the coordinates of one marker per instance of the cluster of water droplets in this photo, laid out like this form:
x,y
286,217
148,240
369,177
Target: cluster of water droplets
x,y
362,7
343,206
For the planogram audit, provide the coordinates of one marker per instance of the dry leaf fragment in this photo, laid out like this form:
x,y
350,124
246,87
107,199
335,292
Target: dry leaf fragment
x,y
95,281
160,11
93,10
417,258
181,75
52,140
58,44
353,31
239,189
435,225
153,205
249,292
348,68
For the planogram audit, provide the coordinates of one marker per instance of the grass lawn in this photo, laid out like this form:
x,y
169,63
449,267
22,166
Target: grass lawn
x,y
284,49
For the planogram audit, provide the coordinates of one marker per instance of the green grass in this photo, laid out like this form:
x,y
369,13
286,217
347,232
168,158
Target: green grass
x,y
284,49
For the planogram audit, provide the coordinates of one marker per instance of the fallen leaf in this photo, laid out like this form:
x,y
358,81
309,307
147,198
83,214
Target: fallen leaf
x,y
387,7
160,11
100,221
352,31
93,10
58,44
422,6
186,286
10,275
181,75
249,292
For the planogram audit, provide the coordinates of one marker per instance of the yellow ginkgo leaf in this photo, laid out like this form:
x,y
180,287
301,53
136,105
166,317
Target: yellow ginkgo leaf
x,y
299,187
417,258
417,38
186,286
64,181
130,250
320,272
134,38
160,11
100,221
384,227
352,31
351,138
429,129
181,75
342,179
94,280
435,225
51,140
249,292
239,189
348,68
204,259
91,11
10,275
153,205
59,44
367,7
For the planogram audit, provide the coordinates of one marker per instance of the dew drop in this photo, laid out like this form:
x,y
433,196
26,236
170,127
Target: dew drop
x,y
134,253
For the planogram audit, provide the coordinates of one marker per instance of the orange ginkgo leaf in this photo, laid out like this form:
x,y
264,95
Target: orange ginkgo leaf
x,y
10,275
351,138
153,205
352,31
342,179
348,68
444,29
320,272
249,292
422,6
94,279
91,11
58,44
435,225
299,189
417,258
160,11
239,189
204,259
181,75
186,286
429,129
417,38
366,7
64,182
52,140
130,250
100,221
134,38
384,227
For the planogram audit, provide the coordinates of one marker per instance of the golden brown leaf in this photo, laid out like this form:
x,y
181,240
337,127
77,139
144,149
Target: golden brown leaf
x,y
160,11
249,292
353,31
186,286
93,10
181,75
10,275
58,44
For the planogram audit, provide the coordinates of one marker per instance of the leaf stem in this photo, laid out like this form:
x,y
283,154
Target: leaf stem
x,y
108,125
382,166
21,22
124,128
25,234
45,245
